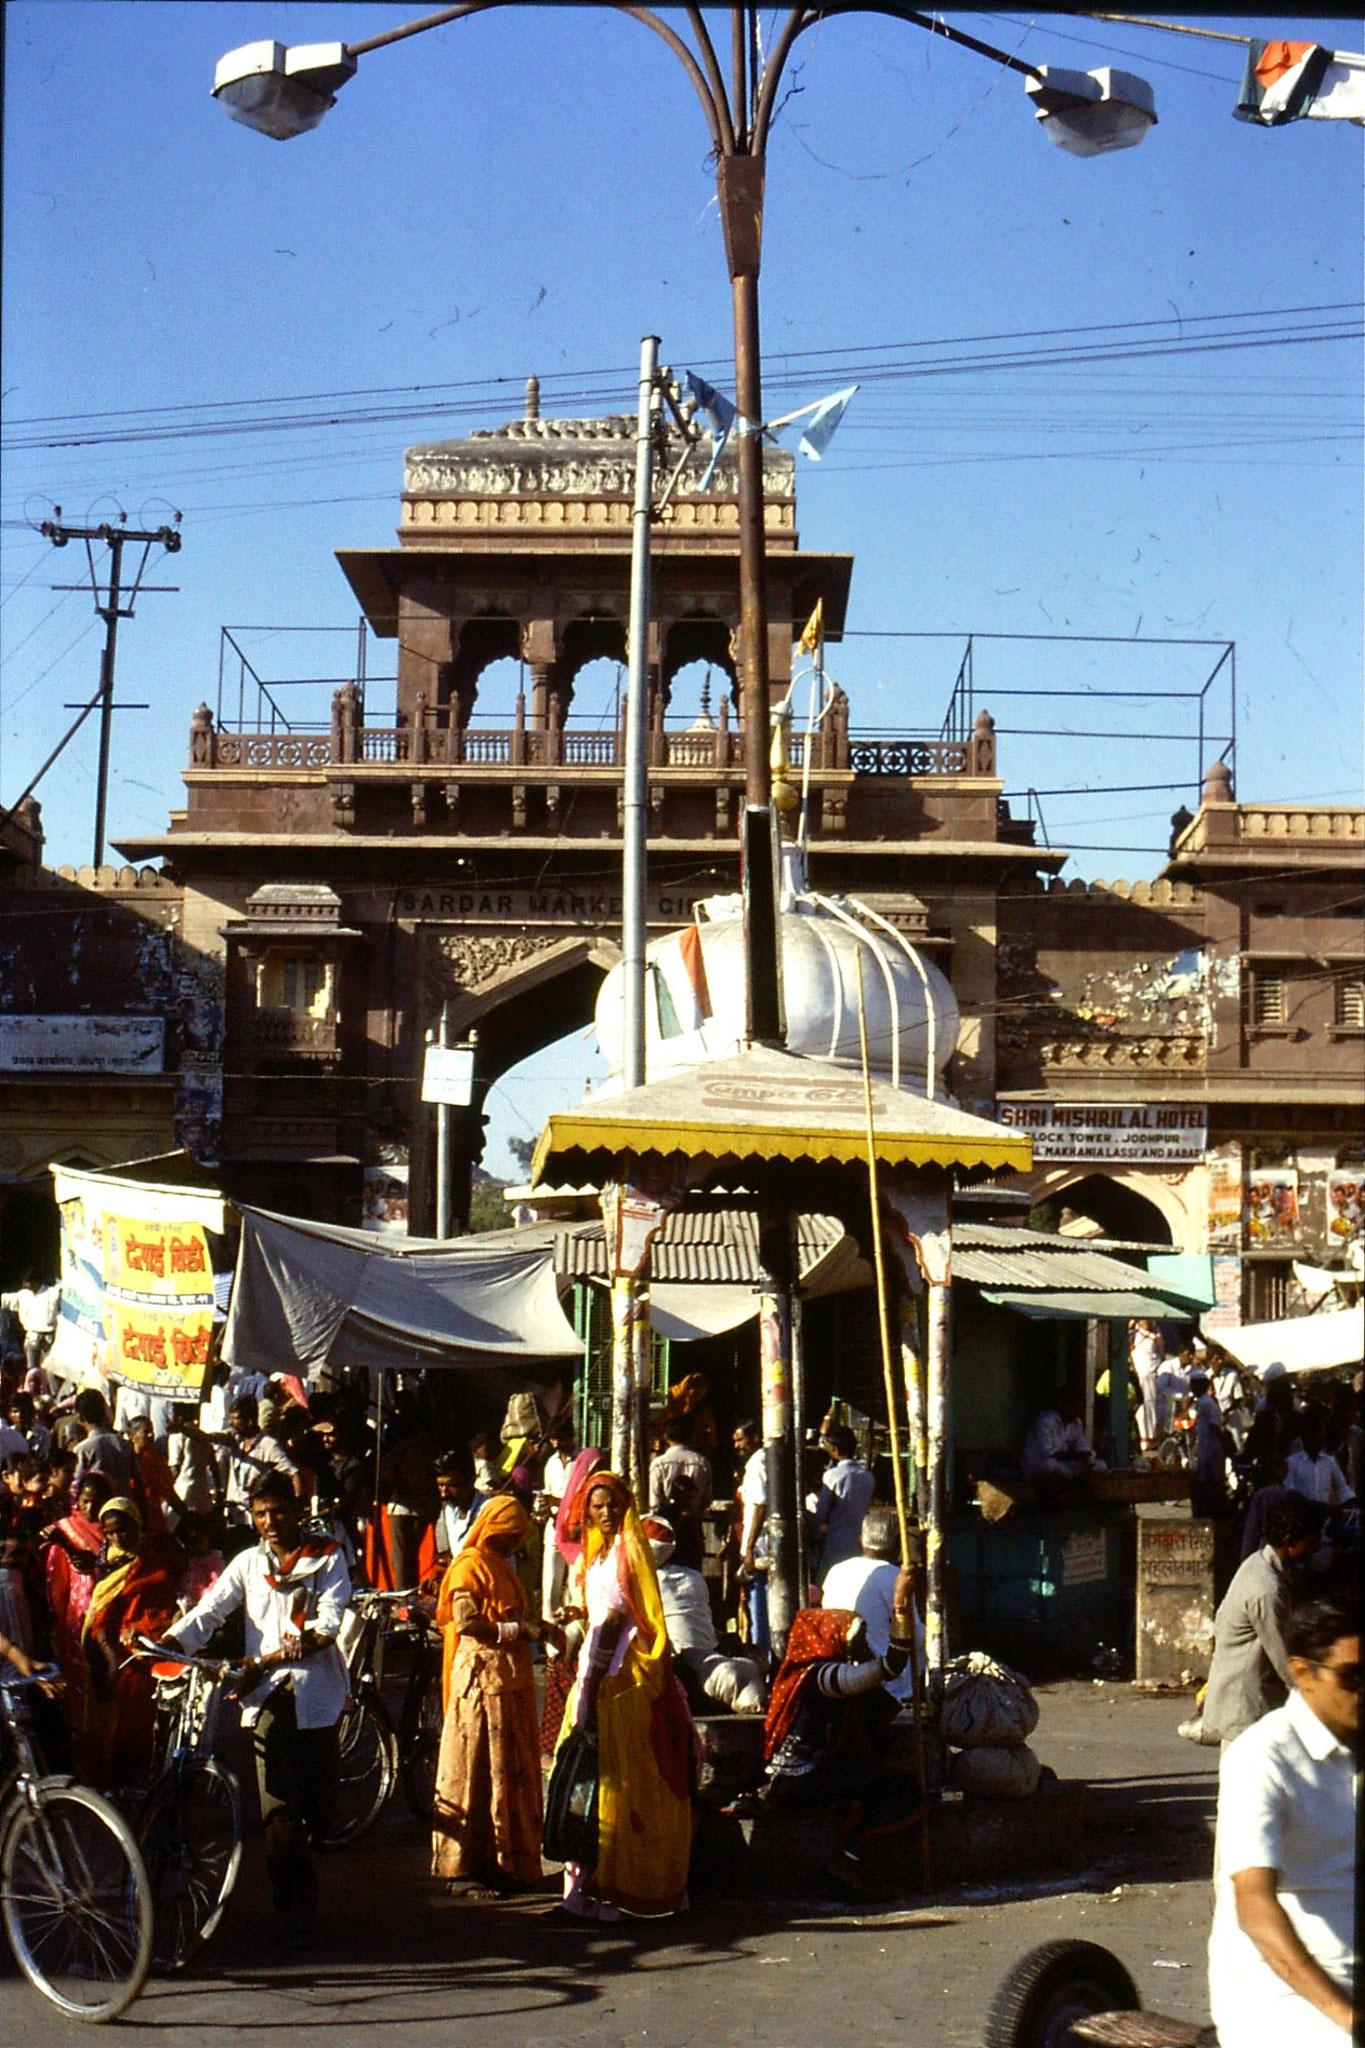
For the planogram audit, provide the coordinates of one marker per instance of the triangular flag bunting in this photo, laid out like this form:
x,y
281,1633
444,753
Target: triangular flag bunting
x,y
819,430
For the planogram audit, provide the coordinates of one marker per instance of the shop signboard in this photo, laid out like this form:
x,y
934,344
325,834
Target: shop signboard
x,y
1112,1134
82,1045
137,1306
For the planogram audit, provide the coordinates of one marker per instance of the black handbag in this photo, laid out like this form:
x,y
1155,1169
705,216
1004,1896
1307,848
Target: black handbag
x,y
570,1834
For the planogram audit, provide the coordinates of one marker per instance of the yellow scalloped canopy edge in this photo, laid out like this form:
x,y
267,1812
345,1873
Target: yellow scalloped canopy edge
x,y
568,1133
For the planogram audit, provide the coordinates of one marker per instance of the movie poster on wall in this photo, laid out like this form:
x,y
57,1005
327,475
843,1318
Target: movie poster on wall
x,y
1273,1206
1225,1199
1345,1204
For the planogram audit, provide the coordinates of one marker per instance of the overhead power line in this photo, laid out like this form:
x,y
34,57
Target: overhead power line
x,y
873,363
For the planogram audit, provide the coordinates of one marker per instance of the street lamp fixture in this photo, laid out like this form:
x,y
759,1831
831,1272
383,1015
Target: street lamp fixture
x,y
1090,113
281,92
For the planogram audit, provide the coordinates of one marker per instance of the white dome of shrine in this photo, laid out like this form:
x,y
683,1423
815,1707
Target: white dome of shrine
x,y
694,995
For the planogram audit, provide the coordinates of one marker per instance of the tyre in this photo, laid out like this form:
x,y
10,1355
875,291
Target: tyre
x,y
1053,1986
191,1839
75,1899
369,1768
423,1719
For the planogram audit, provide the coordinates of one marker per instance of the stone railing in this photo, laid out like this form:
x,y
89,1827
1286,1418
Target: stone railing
x,y
1285,821
433,741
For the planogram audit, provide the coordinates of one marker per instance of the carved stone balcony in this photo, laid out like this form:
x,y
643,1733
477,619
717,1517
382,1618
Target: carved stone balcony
x,y
278,1034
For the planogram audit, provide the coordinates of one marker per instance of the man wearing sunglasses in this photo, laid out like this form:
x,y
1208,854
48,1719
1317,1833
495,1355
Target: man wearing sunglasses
x,y
1280,1954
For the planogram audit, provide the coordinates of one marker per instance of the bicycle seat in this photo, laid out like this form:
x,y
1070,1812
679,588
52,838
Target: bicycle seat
x,y
168,1673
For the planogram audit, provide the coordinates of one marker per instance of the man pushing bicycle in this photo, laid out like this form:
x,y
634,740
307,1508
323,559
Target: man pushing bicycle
x,y
294,1590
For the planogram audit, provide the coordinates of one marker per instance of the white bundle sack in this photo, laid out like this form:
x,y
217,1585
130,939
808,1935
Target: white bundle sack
x,y
986,1705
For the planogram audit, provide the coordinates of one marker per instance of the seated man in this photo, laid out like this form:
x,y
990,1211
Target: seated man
x,y
732,1682
866,1586
1056,1453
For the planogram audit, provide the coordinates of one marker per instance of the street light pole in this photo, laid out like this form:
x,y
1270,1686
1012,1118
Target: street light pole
x,y
635,793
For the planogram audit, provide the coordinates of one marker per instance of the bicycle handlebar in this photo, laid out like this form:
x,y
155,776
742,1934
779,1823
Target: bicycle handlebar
x,y
44,1674
151,1651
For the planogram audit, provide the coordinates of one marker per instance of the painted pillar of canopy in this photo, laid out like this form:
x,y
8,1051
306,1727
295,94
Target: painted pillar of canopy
x,y
630,1219
775,1286
920,1235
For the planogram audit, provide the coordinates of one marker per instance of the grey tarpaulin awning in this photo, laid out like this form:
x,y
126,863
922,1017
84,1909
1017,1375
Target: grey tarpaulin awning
x,y
318,1294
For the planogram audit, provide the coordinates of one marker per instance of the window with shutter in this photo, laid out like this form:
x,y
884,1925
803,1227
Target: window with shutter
x,y
1350,1002
1268,1006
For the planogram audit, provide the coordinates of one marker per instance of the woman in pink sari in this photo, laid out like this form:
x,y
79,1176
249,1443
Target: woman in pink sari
x,y
72,1559
560,1670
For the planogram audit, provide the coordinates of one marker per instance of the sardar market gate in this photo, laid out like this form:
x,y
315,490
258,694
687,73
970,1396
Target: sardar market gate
x,y
359,878
352,879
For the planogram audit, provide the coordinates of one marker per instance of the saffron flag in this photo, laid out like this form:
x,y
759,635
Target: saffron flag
x,y
813,632
819,431
1296,81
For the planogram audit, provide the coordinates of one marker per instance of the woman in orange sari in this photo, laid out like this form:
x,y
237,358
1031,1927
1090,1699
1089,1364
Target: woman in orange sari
x,y
135,1595
486,1831
627,1691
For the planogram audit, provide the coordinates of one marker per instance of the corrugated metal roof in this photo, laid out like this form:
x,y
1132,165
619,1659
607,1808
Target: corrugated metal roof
x,y
704,1246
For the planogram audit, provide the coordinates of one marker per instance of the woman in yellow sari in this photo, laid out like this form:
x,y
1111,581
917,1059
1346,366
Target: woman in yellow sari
x,y
627,1691
486,1830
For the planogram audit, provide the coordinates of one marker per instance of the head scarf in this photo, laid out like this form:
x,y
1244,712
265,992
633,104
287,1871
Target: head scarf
x,y
817,1635
569,1520
503,1515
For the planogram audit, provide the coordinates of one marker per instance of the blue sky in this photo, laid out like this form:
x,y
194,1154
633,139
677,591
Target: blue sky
x,y
529,191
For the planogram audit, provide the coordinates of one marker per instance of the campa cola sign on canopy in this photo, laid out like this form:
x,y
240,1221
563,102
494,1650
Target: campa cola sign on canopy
x,y
137,1283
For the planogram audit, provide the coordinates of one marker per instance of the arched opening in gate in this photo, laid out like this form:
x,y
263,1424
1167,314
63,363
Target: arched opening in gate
x,y
1111,1207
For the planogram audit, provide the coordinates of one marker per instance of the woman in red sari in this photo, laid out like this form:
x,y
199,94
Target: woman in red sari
x,y
72,1561
134,1595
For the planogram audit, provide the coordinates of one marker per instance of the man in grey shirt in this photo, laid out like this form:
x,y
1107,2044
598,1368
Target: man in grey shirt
x,y
1250,1675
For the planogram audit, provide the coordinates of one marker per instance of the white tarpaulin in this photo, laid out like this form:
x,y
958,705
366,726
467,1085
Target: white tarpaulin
x,y
314,1293
1336,1337
684,1313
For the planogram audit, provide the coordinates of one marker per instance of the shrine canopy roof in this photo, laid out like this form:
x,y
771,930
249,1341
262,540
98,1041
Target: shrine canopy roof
x,y
731,1120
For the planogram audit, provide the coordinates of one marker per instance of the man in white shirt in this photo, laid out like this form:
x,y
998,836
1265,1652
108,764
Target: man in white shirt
x,y
1313,1471
460,1502
1055,1450
249,1456
1280,1953
294,1686
866,1585
753,1540
732,1682
1146,1351
36,1309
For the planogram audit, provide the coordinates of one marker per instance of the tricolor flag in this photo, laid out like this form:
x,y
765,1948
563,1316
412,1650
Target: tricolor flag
x,y
1294,81
680,991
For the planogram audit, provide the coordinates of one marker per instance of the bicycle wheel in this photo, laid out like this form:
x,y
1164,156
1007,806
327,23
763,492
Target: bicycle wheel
x,y
191,1839
76,1903
369,1767
421,1742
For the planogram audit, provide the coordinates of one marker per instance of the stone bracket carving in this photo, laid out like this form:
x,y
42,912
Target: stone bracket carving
x,y
343,805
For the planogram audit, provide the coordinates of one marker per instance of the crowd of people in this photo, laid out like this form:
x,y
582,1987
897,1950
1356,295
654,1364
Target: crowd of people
x,y
573,1620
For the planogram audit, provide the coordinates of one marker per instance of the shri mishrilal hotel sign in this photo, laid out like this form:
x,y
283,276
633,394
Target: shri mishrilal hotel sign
x,y
1128,1133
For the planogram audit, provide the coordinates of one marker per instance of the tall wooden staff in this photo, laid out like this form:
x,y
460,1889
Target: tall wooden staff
x,y
893,1420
